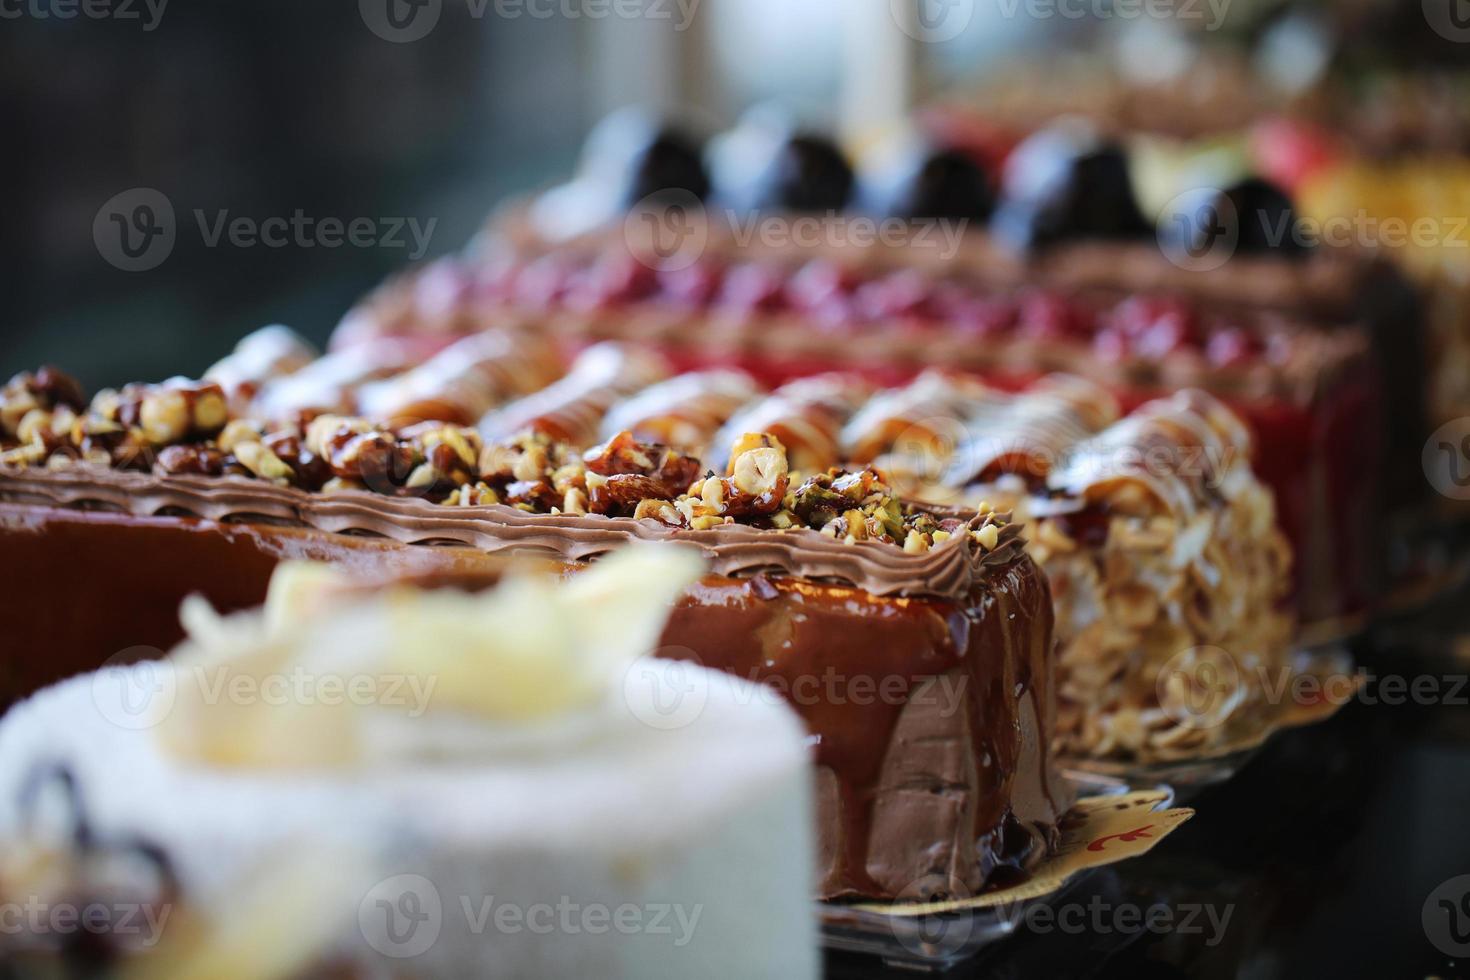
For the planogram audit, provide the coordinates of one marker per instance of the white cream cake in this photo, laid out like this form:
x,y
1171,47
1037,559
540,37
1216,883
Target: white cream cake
x,y
433,784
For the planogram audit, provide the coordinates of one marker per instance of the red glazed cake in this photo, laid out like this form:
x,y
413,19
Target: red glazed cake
x,y
1311,392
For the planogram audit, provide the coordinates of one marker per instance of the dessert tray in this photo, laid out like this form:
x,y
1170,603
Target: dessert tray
x,y
1111,822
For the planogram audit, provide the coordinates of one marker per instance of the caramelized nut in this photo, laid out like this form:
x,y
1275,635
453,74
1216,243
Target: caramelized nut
x,y
532,464
713,494
210,413
191,460
238,431
658,510
256,458
164,416
34,427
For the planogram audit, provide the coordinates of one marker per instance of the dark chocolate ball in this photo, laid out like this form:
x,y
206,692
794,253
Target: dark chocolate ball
x,y
933,182
1252,217
806,173
644,156
1063,186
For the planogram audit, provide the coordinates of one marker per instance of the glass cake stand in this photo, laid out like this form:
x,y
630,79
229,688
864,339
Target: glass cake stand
x,y
938,942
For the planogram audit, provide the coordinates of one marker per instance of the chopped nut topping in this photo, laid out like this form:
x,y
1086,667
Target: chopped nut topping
x,y
165,417
256,458
182,428
988,537
238,431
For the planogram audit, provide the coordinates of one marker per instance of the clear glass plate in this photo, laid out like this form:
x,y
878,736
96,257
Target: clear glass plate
x,y
934,943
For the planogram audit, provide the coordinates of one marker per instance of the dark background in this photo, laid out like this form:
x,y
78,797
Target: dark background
x,y
262,108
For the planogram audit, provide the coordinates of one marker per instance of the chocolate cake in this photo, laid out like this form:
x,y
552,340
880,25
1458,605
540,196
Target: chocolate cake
x,y
946,770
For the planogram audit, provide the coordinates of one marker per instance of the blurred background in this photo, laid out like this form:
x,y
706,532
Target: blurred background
x,y
329,112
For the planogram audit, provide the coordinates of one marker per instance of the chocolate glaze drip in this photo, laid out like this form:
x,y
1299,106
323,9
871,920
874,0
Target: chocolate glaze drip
x,y
928,721
949,571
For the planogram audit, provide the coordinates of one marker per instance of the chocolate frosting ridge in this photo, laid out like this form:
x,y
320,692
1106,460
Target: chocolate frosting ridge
x,y
952,570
